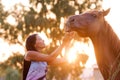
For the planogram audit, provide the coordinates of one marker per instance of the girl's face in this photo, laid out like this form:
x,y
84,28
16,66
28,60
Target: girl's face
x,y
39,43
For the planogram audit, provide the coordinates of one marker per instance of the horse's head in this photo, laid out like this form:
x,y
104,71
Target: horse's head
x,y
86,24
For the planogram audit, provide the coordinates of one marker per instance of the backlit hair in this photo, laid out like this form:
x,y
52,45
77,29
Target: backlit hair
x,y
30,42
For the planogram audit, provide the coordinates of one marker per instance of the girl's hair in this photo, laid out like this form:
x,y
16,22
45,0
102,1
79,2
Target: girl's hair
x,y
30,42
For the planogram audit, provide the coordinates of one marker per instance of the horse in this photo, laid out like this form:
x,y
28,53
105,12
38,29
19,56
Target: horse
x,y
106,43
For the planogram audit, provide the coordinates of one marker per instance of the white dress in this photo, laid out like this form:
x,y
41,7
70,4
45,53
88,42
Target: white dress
x,y
37,70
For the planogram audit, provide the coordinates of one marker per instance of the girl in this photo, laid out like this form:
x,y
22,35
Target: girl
x,y
35,62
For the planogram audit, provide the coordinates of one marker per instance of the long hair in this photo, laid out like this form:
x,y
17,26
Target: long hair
x,y
30,42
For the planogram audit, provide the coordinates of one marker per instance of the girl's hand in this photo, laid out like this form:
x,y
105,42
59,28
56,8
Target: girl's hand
x,y
68,37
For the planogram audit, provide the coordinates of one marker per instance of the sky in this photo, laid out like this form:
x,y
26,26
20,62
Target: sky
x,y
114,16
9,3
113,19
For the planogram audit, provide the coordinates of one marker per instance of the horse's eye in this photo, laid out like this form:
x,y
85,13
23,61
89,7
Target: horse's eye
x,y
94,15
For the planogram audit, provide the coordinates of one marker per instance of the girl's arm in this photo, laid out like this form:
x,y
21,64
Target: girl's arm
x,y
58,61
36,56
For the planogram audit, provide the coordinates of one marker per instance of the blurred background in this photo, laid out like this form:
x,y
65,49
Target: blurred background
x,y
20,18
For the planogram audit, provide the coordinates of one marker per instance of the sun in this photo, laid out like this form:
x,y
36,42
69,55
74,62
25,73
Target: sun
x,y
71,56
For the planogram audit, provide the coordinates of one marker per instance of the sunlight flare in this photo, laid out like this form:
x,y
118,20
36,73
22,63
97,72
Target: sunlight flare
x,y
11,20
71,56
45,38
8,4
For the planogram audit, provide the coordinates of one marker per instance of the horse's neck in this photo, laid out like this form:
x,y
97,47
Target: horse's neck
x,y
106,45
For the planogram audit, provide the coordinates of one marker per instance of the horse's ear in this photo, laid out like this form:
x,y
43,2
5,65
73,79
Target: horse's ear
x,y
105,12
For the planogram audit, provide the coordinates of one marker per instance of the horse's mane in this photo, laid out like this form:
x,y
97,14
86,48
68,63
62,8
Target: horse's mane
x,y
108,38
112,38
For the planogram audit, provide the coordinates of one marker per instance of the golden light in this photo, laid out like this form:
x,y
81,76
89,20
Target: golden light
x,y
8,4
62,21
70,53
4,48
77,12
71,56
48,31
50,15
79,47
11,20
45,38
38,8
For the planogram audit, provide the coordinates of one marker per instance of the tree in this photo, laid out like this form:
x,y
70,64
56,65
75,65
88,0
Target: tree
x,y
37,19
11,69
46,16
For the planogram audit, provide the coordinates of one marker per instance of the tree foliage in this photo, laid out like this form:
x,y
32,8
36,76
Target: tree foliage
x,y
11,69
35,18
